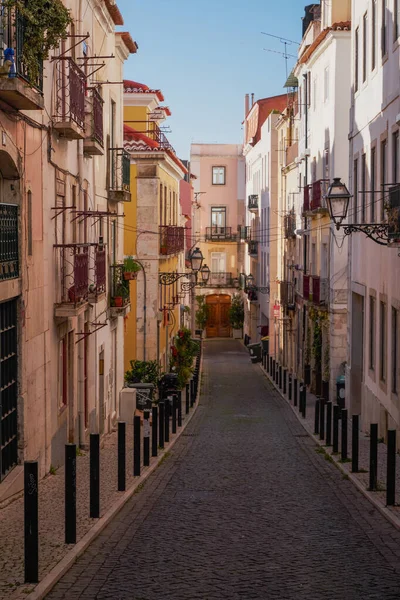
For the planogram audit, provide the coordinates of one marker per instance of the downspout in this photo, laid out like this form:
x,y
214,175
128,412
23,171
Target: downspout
x,y
81,357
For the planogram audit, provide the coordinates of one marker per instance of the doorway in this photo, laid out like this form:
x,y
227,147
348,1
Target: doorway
x,y
218,317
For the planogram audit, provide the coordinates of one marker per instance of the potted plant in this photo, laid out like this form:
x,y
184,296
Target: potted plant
x,y
183,351
121,294
202,313
236,316
131,268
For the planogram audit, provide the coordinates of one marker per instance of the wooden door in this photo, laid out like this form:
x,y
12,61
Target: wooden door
x,y
218,319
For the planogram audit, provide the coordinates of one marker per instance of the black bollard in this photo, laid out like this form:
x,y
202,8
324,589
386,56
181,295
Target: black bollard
x,y
192,398
304,401
167,413
354,443
295,391
136,446
329,423
94,475
187,398
335,439
180,408
373,457
301,389
270,366
121,456
391,468
273,370
284,380
174,411
154,431
290,386
146,438
31,521
316,417
70,493
267,362
161,426
322,419
277,373
344,434
280,376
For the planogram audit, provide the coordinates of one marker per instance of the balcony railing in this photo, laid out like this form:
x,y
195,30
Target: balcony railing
x,y
318,191
393,213
253,248
120,175
216,234
287,294
119,287
94,132
152,130
172,239
224,280
306,198
253,202
97,272
73,267
319,290
9,262
244,233
70,99
306,286
290,225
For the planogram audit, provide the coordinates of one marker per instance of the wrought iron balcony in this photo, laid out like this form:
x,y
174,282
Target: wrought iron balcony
x,y
223,280
223,234
287,294
318,191
319,290
9,262
69,114
253,203
152,130
73,272
306,199
290,225
97,273
119,292
172,239
306,286
244,233
253,248
120,175
394,217
20,84
94,133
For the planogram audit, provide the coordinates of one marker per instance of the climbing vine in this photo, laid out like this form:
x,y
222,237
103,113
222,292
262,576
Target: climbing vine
x,y
320,321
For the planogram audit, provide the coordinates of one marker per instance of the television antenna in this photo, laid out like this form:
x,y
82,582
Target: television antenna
x,y
286,42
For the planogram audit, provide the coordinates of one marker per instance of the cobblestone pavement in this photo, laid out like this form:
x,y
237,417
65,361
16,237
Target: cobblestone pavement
x,y
243,508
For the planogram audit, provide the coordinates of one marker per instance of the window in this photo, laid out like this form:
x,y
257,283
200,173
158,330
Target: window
x,y
363,185
218,217
355,188
356,38
218,175
161,204
396,156
365,29
384,28
383,177
395,349
373,183
372,325
63,371
326,84
382,341
396,19
373,32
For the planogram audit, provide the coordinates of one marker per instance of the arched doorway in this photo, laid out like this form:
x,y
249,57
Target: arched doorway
x,y
218,319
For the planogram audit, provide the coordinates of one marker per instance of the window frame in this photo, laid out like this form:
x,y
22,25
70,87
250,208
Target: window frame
x,y
382,341
373,32
364,47
213,171
395,350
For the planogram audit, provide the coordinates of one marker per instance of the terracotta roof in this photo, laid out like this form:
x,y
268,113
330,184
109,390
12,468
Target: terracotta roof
x,y
136,141
166,109
115,13
128,41
342,25
133,87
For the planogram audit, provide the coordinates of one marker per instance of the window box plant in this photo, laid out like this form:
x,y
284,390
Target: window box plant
x,y
131,268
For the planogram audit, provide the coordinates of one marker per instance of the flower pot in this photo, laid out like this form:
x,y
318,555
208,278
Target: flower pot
x,y
118,301
237,334
130,276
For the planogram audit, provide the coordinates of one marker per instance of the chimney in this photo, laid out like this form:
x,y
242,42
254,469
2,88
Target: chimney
x,y
252,100
246,105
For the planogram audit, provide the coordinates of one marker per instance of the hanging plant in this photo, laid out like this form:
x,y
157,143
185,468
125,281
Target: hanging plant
x,y
44,24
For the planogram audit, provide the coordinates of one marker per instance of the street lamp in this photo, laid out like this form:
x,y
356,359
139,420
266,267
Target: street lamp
x,y
205,274
196,260
249,280
254,288
338,199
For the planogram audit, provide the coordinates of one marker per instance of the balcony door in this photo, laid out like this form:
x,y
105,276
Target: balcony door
x,y
218,220
218,268
218,317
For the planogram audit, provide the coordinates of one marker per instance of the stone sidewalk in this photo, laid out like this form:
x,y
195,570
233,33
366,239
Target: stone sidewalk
x,y
360,479
52,548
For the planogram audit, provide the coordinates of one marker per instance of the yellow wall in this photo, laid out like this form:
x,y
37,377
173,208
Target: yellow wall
x,y
138,117
130,209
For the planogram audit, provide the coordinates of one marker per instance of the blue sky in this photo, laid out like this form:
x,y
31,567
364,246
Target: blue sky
x,y
206,55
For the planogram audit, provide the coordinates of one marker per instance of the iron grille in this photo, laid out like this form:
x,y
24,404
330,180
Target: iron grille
x,y
8,387
70,93
9,263
216,233
172,239
120,170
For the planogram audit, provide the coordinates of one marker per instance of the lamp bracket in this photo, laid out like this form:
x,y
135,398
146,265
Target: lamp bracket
x,y
378,232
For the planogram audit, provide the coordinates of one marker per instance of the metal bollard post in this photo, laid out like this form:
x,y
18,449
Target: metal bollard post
x,y
187,398
290,386
354,443
295,391
280,376
267,362
179,408
136,446
284,380
273,370
301,388
316,417
146,438
121,456
373,457
154,431
174,411
391,468
329,423
277,373
167,412
192,398
31,521
322,419
335,439
344,434
70,493
270,366
304,401
94,475
161,420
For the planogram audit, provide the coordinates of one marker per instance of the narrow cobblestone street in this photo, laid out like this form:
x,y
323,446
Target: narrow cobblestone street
x,y
243,508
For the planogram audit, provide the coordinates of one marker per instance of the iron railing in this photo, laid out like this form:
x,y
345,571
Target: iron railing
x,y
290,225
306,286
119,286
318,191
152,130
253,248
73,268
306,198
12,37
8,387
70,93
244,232
394,216
215,233
319,290
120,170
97,270
253,202
172,239
287,294
221,280
9,261
95,105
